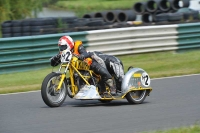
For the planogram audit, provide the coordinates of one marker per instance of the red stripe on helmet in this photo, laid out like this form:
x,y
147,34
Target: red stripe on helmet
x,y
71,45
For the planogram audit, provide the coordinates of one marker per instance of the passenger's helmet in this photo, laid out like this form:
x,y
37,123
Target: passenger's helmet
x,y
65,42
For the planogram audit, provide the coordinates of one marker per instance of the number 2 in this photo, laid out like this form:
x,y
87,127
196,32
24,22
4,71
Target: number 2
x,y
145,79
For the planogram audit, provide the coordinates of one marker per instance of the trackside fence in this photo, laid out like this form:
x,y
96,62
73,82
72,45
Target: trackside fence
x,y
33,52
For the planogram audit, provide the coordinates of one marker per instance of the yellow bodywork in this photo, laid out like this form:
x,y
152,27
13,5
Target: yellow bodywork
x,y
78,65
75,66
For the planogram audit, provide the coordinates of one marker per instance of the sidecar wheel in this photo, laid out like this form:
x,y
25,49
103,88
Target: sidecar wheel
x,y
136,97
50,96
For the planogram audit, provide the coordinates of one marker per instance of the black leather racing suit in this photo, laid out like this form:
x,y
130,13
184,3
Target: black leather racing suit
x,y
112,64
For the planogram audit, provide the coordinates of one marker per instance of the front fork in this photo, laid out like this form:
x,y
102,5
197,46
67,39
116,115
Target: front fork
x,y
61,81
63,76
74,88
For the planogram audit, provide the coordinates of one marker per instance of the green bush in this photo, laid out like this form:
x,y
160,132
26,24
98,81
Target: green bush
x,y
19,9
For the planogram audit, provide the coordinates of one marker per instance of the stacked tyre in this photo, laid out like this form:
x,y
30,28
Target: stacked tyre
x,y
112,16
70,24
29,27
162,10
38,26
64,24
83,24
189,14
16,28
6,29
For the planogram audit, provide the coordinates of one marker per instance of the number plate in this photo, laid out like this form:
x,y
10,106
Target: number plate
x,y
145,79
66,56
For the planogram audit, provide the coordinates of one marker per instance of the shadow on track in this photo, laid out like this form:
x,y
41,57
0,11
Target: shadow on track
x,y
96,103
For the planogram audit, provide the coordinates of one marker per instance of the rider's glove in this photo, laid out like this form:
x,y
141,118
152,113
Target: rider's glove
x,y
57,57
55,60
81,57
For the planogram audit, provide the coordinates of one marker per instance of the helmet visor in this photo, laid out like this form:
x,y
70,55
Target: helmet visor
x,y
63,47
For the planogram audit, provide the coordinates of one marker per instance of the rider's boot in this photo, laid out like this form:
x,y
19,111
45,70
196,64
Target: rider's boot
x,y
109,82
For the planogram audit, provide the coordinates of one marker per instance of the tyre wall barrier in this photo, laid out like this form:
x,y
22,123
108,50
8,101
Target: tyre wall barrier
x,y
150,11
41,26
113,15
34,52
160,5
28,27
125,15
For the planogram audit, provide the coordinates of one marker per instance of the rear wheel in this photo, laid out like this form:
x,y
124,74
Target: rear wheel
x,y
50,96
136,97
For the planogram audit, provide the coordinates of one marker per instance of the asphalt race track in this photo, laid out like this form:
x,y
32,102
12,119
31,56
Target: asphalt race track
x,y
174,102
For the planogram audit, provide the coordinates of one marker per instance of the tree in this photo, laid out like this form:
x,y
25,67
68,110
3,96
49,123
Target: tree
x,y
19,9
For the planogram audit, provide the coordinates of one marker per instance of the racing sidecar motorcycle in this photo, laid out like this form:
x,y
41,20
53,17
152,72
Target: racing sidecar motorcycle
x,y
75,79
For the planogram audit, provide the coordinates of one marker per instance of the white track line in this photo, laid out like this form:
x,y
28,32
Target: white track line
x,y
175,76
19,93
151,79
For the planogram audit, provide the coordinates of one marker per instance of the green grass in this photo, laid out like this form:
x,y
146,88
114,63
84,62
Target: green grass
x,y
81,7
190,129
155,64
165,64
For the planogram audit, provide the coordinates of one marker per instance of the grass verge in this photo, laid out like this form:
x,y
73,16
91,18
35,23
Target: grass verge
x,y
81,7
190,129
155,64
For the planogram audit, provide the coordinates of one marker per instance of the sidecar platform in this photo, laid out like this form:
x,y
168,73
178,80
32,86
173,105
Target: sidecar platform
x,y
89,92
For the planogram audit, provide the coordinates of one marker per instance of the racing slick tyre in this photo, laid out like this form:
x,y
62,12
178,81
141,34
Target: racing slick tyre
x,y
136,97
51,96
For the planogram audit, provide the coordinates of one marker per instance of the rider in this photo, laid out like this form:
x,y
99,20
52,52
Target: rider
x,y
112,64
66,42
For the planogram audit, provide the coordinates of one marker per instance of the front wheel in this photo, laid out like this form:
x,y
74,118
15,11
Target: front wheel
x,y
136,97
50,96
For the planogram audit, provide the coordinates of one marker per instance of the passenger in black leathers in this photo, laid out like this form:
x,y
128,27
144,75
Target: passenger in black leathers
x,y
106,77
112,64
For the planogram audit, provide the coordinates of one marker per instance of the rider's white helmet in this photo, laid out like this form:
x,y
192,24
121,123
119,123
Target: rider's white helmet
x,y
65,42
